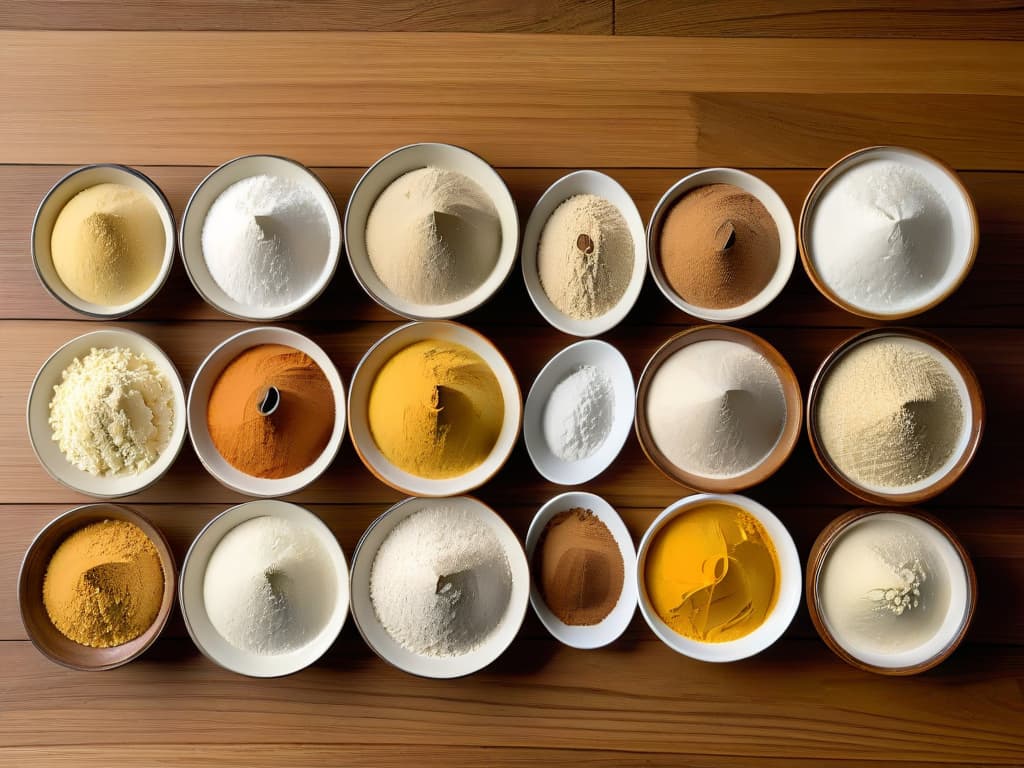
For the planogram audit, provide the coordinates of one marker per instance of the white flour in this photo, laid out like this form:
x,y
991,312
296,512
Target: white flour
x,y
579,414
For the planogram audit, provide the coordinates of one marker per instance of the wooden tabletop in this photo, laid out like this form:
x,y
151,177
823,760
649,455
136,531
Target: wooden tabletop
x,y
538,88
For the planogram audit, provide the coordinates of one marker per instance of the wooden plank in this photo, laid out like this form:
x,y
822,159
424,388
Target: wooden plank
x,y
953,19
992,295
565,16
343,99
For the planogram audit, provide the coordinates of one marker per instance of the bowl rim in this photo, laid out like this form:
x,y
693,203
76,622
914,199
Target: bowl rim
x,y
812,198
484,298
170,249
819,553
784,445
976,427
93,512
333,254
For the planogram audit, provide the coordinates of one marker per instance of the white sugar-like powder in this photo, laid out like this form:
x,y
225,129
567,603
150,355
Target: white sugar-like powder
x,y
579,414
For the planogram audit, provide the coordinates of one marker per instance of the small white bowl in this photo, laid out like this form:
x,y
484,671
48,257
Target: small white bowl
x,y
779,213
199,396
385,646
781,614
604,356
59,196
198,207
359,396
397,163
583,183
193,605
614,624
38,415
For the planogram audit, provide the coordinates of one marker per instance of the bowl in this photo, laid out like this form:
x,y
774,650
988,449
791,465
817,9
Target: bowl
x,y
964,591
193,606
779,213
53,203
379,177
386,647
970,395
607,358
209,189
199,395
583,183
780,616
614,624
783,447
950,188
359,396
41,631
38,415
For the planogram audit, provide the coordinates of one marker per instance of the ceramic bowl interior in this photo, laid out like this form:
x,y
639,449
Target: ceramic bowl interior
x,y
614,624
193,606
946,183
385,646
359,397
963,595
583,183
59,196
199,396
38,415
780,616
44,635
203,198
970,396
607,358
787,439
779,213
380,176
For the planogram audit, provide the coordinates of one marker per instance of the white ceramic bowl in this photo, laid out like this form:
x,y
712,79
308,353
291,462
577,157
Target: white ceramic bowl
x,y
38,415
397,163
59,196
615,623
359,396
583,183
608,359
199,396
781,614
198,207
779,213
193,606
388,648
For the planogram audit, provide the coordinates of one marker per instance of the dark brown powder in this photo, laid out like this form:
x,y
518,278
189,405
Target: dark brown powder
x,y
718,246
578,567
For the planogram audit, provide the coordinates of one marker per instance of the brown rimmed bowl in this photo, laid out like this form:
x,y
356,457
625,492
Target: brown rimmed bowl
x,y
783,446
970,390
41,631
816,560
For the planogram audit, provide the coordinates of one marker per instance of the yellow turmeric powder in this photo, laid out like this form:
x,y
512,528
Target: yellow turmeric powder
x,y
104,584
712,573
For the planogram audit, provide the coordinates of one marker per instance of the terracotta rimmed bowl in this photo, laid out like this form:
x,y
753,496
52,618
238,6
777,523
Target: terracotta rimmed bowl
x,y
359,397
957,622
950,188
971,396
784,445
41,631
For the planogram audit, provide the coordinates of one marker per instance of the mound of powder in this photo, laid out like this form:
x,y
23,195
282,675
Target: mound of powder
x,y
579,413
270,586
440,583
433,236
716,408
585,257
266,241
113,412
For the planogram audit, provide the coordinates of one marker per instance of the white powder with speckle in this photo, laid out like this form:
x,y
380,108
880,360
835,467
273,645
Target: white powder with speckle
x,y
579,414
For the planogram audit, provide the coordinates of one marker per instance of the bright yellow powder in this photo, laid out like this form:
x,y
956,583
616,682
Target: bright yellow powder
x,y
108,244
712,573
436,409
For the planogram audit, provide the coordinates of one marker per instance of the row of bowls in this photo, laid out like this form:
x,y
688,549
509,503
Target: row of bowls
x,y
414,156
